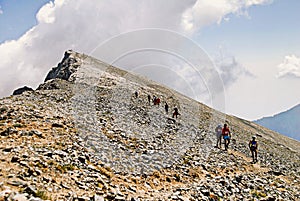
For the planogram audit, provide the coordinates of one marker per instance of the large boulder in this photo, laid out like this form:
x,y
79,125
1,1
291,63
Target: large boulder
x,y
22,90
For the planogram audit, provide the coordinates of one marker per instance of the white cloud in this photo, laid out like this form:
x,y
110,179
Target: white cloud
x,y
205,12
229,68
46,13
1,11
290,67
81,25
257,2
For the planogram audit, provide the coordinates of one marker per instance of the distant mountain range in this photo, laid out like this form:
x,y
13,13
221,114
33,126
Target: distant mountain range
x,y
287,123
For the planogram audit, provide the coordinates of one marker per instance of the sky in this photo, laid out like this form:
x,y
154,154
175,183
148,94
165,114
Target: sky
x,y
252,45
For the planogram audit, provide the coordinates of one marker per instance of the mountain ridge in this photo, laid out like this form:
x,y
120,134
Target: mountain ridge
x,y
86,136
286,123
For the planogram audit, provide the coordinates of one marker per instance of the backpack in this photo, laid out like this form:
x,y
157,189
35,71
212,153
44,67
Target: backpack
x,y
253,145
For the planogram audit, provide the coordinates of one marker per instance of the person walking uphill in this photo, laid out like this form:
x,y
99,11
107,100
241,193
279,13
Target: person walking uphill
x,y
166,107
175,113
226,135
218,131
253,145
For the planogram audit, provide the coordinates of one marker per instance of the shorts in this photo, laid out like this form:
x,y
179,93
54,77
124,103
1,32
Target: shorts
x,y
226,137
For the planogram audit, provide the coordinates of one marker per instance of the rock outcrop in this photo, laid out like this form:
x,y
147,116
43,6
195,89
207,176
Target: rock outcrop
x,y
22,90
69,65
84,135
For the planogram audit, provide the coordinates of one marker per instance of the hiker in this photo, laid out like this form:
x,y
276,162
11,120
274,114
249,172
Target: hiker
x,y
158,101
175,113
166,107
154,99
253,145
149,99
136,94
226,136
218,131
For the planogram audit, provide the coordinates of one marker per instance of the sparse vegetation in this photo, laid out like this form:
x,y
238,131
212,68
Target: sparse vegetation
x,y
65,168
156,174
42,194
258,194
3,109
106,171
18,125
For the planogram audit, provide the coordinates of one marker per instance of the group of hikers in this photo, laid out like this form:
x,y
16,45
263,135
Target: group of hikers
x,y
226,135
221,132
156,101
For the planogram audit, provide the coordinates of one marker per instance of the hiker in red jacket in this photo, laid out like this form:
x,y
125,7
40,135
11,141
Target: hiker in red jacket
x,y
175,113
226,135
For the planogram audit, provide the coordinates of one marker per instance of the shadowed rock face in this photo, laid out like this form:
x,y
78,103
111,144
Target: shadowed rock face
x,y
22,90
66,67
84,135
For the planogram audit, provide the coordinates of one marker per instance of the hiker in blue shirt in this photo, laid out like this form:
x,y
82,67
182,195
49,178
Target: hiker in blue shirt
x,y
253,145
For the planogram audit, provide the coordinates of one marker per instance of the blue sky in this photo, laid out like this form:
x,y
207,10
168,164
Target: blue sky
x,y
269,26
259,42
256,46
18,16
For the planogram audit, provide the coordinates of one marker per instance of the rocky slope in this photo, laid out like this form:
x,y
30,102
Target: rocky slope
x,y
83,135
287,123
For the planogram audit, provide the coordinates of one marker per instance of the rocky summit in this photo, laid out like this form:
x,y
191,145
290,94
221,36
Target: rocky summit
x,y
89,132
